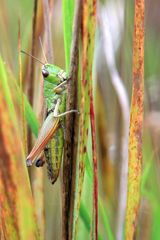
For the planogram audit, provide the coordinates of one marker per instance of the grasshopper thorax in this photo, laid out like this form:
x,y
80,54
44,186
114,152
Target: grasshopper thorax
x,y
53,74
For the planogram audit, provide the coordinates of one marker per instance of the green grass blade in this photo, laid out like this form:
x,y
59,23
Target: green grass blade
x,y
29,113
102,211
88,31
68,12
86,219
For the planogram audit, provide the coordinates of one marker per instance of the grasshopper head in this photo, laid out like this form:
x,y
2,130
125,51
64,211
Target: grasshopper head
x,y
53,74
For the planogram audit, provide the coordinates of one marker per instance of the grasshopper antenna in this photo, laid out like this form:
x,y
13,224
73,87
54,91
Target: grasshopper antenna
x,y
28,54
42,49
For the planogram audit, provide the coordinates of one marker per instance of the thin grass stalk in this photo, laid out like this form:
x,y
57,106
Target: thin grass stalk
x,y
30,90
22,108
95,170
87,35
93,134
37,183
136,123
48,32
71,134
68,14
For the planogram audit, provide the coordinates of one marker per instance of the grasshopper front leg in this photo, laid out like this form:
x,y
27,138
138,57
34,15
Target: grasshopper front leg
x,y
60,88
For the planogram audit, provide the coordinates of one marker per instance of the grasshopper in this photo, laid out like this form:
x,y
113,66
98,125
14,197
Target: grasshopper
x,y
51,135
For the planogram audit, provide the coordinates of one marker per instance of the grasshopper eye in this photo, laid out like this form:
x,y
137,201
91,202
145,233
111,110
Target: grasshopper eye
x,y
45,73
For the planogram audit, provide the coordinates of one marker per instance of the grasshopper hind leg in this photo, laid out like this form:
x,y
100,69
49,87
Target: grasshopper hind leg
x,y
53,153
53,172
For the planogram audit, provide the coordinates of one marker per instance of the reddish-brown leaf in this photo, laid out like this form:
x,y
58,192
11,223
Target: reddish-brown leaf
x,y
17,216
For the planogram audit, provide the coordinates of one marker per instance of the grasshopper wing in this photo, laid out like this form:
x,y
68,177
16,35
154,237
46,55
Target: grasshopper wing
x,y
49,127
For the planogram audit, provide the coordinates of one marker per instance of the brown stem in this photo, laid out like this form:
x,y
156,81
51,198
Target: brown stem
x,y
70,147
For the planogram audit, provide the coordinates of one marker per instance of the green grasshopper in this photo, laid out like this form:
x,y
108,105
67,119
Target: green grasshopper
x,y
51,135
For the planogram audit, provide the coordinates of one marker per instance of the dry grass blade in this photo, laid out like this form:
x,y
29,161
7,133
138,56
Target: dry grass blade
x,y
136,121
30,90
36,177
47,23
24,130
16,203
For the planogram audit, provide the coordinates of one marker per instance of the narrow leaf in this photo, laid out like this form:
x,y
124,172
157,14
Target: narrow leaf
x,y
136,121
68,11
29,113
17,210
88,31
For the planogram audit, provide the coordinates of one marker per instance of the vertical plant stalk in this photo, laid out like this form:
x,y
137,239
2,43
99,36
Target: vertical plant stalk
x,y
95,174
68,12
88,32
91,35
32,66
24,130
36,176
136,123
71,133
47,25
